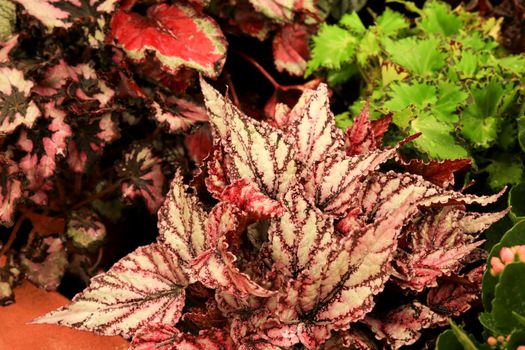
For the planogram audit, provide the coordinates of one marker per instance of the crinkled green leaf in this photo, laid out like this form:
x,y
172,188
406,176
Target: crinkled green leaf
x,y
505,170
437,18
517,201
419,56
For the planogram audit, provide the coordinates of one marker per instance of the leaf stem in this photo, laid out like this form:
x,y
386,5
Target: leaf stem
x,y
97,195
13,234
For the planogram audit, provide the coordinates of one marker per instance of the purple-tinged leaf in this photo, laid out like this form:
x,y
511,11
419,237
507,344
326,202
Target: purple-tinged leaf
x,y
290,48
258,152
199,144
403,325
146,286
166,337
142,174
437,243
180,115
17,108
177,34
182,223
45,263
216,267
85,229
10,188
64,13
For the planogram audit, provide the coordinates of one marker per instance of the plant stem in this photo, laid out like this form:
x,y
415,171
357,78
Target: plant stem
x,y
97,195
13,234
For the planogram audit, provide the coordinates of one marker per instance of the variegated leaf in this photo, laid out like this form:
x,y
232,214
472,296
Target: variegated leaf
x,y
216,267
177,34
10,188
146,286
182,223
258,151
17,108
85,229
437,243
403,325
290,48
180,115
452,299
166,337
440,173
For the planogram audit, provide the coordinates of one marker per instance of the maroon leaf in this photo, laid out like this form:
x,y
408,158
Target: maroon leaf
x,y
167,337
402,326
290,48
452,299
142,176
438,172
17,107
177,34
146,286
10,188
199,144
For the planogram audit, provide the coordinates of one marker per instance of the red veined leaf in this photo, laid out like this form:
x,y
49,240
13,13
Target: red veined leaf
x,y
142,176
218,165
285,10
437,243
146,286
45,262
64,13
199,144
10,188
258,152
452,299
247,197
216,267
180,115
207,316
182,223
17,107
366,135
351,339
177,34
166,337
290,48
438,172
403,325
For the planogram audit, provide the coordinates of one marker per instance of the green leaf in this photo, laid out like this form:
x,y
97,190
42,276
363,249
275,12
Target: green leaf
x,y
519,318
352,22
514,236
462,337
487,98
391,22
419,56
509,296
517,338
368,48
437,17
403,95
494,233
467,65
343,120
517,202
7,19
448,341
333,46
504,171
521,132
487,321
450,98
339,76
436,139
514,64
481,132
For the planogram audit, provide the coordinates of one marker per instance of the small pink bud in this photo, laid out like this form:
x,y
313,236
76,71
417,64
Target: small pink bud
x,y
501,338
521,253
521,347
507,255
496,266
491,341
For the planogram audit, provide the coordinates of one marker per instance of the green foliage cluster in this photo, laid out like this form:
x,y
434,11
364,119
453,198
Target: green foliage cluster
x,y
442,74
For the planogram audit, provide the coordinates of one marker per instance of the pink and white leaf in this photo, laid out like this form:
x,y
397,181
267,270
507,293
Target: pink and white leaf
x,y
146,286
177,34
258,152
166,337
15,97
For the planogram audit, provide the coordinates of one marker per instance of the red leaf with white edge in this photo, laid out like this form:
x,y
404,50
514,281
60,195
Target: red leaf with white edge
x,y
177,34
199,144
311,127
10,188
258,152
166,337
179,116
452,299
403,325
17,107
64,13
182,223
438,172
146,286
290,48
142,174
244,20
216,267
247,197
365,135
437,243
